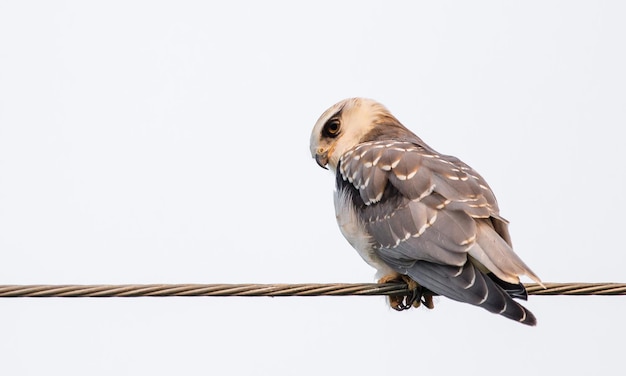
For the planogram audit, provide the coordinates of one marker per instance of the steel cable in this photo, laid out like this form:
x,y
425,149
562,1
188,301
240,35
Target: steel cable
x,y
308,289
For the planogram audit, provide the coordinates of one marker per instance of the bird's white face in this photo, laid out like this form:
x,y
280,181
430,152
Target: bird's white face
x,y
341,127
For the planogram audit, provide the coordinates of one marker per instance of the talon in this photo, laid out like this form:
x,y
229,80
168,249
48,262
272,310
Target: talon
x,y
404,305
412,300
417,294
427,299
398,303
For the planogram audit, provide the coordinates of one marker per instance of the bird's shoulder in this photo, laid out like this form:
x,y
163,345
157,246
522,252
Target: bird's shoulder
x,y
381,170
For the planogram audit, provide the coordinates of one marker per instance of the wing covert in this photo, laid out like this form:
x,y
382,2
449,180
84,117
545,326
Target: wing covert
x,y
417,204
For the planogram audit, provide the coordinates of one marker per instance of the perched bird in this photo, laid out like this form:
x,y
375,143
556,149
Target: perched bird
x,y
416,215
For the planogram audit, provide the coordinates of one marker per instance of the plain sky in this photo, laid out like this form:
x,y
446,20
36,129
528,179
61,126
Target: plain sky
x,y
168,142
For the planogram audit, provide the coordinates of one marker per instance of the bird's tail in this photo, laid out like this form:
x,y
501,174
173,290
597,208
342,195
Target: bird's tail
x,y
469,285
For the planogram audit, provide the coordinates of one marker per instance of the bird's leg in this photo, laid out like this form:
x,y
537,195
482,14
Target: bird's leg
x,y
417,294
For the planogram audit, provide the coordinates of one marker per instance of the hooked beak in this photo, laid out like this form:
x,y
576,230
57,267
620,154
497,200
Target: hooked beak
x,y
322,159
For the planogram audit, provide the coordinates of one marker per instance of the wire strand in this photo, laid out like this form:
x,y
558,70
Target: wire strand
x,y
308,289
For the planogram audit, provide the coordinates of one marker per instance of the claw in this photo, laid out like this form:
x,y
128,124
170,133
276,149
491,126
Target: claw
x,y
427,300
416,297
397,302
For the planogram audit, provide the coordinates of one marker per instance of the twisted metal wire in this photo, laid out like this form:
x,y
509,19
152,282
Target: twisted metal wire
x,y
309,289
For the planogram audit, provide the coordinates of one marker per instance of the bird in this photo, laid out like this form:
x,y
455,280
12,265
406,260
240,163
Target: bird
x,y
417,216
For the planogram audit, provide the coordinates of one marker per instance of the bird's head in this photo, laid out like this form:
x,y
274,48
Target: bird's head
x,y
344,125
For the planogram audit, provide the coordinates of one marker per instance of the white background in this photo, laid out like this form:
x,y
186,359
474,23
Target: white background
x,y
168,142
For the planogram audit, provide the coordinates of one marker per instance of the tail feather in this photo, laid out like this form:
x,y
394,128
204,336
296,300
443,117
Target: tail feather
x,y
468,285
514,290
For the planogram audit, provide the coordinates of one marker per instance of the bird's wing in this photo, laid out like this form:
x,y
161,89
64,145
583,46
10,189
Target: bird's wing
x,y
426,213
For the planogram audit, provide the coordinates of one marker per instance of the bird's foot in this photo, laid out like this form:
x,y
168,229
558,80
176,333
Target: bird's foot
x,y
417,294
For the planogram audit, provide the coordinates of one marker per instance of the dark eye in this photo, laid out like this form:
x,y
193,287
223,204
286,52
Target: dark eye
x,y
331,128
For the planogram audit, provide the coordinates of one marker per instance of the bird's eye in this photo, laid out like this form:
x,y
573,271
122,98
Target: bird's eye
x,y
331,128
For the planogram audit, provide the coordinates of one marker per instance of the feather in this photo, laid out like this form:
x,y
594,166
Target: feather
x,y
469,285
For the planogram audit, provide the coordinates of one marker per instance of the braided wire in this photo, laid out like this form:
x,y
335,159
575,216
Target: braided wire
x,y
309,289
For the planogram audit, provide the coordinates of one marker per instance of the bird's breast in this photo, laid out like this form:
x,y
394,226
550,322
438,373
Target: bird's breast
x,y
355,231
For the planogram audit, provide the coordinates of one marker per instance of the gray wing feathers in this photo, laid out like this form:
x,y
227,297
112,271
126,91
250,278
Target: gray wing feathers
x,y
417,231
415,172
436,219
496,254
371,166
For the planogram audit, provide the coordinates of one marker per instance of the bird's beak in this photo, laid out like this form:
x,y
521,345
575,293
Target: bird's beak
x,y
322,159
